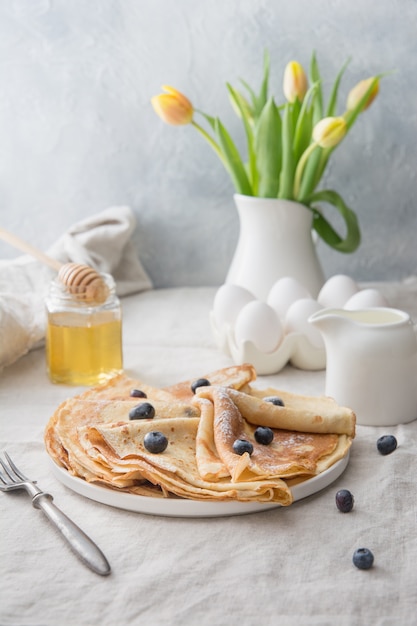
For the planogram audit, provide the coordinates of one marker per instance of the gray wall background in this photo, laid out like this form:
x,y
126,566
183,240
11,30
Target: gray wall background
x,y
78,134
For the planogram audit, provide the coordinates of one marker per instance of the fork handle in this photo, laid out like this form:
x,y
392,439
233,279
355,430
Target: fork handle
x,y
86,550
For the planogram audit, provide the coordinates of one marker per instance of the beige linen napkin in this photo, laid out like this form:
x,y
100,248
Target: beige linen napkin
x,y
102,241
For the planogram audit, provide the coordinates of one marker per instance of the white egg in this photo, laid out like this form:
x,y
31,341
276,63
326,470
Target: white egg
x,y
364,299
337,291
296,320
283,293
228,302
258,322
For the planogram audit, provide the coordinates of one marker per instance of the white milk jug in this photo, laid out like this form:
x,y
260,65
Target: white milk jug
x,y
371,363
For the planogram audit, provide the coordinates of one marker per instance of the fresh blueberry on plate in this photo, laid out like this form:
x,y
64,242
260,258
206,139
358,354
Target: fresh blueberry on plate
x,y
155,442
274,400
241,446
200,382
137,393
142,412
264,435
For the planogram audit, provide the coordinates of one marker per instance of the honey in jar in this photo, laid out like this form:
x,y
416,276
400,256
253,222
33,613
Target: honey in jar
x,y
84,338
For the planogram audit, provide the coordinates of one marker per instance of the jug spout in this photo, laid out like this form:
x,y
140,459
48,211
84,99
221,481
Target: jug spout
x,y
379,317
328,320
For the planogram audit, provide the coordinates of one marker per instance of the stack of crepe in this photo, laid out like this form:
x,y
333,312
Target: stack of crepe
x,y
93,438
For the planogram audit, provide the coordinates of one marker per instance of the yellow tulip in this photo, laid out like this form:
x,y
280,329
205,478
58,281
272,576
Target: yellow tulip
x,y
173,107
295,82
329,131
358,92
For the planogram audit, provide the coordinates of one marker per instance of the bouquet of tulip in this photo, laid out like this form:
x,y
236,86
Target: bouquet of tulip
x,y
288,145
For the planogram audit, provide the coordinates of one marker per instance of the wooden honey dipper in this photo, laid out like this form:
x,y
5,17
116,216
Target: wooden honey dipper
x,y
81,281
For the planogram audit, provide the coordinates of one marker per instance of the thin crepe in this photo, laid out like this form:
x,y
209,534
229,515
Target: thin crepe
x,y
302,413
290,454
121,448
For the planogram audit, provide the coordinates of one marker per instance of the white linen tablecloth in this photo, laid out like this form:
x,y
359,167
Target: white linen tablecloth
x,y
287,566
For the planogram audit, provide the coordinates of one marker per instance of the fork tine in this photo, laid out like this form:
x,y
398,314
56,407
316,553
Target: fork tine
x,y
7,473
18,473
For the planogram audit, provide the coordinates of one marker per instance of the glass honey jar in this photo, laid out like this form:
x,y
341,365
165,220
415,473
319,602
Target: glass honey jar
x,y
83,338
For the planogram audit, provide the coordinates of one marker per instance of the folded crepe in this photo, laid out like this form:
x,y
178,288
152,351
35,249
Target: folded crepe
x,y
312,414
232,415
121,450
62,433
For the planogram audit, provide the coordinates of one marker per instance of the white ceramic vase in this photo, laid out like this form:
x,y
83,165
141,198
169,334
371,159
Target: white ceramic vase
x,y
275,241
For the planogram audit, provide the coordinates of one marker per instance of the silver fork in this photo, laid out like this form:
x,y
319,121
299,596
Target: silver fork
x,y
11,478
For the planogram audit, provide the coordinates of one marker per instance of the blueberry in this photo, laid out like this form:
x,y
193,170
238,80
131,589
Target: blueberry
x,y
386,444
200,382
155,442
138,393
274,400
264,435
344,501
363,558
142,412
241,446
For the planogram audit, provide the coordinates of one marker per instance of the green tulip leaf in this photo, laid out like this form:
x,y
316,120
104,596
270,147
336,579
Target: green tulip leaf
x,y
259,101
263,94
269,150
245,114
326,231
309,176
233,161
295,112
211,120
287,170
332,104
304,126
252,95
318,100
241,106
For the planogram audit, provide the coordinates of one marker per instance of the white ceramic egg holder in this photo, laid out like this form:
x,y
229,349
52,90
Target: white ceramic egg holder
x,y
295,347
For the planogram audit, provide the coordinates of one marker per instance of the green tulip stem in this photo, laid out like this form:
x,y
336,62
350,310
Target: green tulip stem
x,y
300,167
211,141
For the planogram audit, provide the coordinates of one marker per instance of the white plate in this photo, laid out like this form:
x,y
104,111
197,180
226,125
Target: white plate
x,y
178,507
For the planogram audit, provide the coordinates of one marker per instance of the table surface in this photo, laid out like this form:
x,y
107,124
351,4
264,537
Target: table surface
x,y
288,565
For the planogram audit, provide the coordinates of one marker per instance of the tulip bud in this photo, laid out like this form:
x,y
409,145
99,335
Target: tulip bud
x,y
357,93
295,82
173,107
329,131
